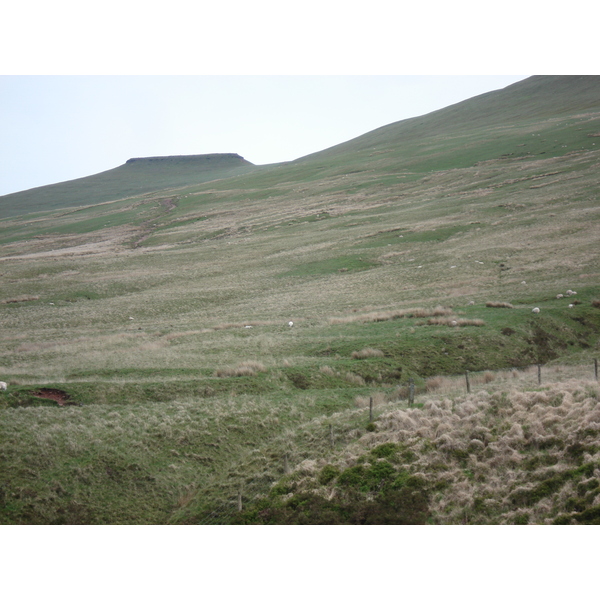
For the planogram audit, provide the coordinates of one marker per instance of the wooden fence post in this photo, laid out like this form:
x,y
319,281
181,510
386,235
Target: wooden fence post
x,y
411,391
468,382
331,435
596,368
239,500
539,374
370,408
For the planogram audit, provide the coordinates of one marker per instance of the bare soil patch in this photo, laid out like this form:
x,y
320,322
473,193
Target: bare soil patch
x,y
60,397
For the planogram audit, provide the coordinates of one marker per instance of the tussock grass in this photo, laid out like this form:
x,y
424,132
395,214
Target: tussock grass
x,y
223,326
434,383
19,299
327,370
367,353
379,316
504,457
244,369
379,399
456,322
493,304
486,377
354,379
201,272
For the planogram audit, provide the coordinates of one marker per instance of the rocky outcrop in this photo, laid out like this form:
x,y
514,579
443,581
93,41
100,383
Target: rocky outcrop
x,y
212,160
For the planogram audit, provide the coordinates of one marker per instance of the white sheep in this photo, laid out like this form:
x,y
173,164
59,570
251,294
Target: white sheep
x,y
291,324
536,310
559,296
571,305
3,386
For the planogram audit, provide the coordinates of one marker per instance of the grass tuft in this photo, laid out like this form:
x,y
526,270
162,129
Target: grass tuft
x,y
367,353
244,369
491,304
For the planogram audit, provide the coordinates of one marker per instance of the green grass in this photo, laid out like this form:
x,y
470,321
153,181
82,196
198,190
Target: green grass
x,y
142,300
330,266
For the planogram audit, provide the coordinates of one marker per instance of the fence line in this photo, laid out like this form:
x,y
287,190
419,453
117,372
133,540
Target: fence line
x,y
248,492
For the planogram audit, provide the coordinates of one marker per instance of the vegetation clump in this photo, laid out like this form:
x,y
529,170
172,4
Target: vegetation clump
x,y
493,458
333,274
367,353
244,369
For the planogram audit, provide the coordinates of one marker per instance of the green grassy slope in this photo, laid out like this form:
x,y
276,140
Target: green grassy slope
x,y
136,176
165,313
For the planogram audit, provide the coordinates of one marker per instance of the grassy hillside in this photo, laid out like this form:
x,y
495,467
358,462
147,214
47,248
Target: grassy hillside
x,y
159,319
137,176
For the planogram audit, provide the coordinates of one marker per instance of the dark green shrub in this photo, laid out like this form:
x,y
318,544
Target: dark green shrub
x,y
370,478
328,473
281,489
590,516
521,519
401,480
381,471
395,507
409,456
562,520
385,450
575,505
354,476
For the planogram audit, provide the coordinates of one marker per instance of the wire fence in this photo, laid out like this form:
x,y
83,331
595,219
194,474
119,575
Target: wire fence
x,y
326,435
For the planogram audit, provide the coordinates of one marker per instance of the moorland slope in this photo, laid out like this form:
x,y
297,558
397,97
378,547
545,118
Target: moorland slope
x,y
153,376
137,176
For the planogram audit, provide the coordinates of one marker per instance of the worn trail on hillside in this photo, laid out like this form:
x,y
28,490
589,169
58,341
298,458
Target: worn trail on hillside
x,y
166,206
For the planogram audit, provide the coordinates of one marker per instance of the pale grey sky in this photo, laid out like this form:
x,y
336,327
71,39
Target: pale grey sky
x,y
85,86
56,128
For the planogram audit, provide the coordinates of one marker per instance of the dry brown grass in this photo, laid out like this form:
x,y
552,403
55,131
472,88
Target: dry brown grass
x,y
502,433
434,383
20,299
491,304
246,368
367,353
450,322
389,315
354,379
223,326
438,311
327,370
485,377
379,399
179,334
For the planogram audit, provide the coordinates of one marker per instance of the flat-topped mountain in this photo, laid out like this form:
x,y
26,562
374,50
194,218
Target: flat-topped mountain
x,y
153,376
136,176
199,160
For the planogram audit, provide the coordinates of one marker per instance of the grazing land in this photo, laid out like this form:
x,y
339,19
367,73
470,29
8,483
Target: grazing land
x,y
153,376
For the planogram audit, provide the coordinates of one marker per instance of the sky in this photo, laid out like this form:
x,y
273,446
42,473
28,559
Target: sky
x,y
56,128
86,86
